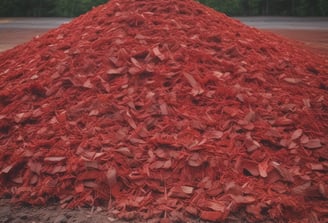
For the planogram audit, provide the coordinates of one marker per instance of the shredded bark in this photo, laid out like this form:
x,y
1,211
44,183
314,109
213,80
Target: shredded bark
x,y
165,109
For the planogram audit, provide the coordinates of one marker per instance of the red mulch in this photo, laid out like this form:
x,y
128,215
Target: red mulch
x,y
165,109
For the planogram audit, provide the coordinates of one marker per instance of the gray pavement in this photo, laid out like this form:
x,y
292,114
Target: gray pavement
x,y
291,23
32,23
257,22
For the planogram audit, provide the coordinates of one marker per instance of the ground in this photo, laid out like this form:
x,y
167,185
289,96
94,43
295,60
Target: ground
x,y
53,214
316,40
13,32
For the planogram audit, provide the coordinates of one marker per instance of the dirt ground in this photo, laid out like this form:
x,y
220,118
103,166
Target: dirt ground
x,y
53,214
316,40
9,38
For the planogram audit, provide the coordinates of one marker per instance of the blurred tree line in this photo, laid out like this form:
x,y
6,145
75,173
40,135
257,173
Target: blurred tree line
x,y
270,7
71,8
38,8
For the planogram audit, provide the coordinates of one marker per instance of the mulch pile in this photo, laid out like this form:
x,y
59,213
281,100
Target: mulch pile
x,y
166,110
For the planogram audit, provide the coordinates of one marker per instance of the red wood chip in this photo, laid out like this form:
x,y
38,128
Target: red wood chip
x,y
297,134
313,144
166,110
212,215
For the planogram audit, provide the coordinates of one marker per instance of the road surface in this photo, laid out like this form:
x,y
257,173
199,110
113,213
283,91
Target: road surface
x,y
312,31
290,23
32,23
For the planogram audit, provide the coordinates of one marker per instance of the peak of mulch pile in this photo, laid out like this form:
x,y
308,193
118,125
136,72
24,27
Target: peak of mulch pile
x,y
166,109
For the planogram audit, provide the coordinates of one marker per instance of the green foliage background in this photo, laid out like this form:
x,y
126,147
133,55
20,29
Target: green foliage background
x,y
72,8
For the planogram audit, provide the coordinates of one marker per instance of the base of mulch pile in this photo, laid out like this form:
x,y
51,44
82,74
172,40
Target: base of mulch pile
x,y
54,214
